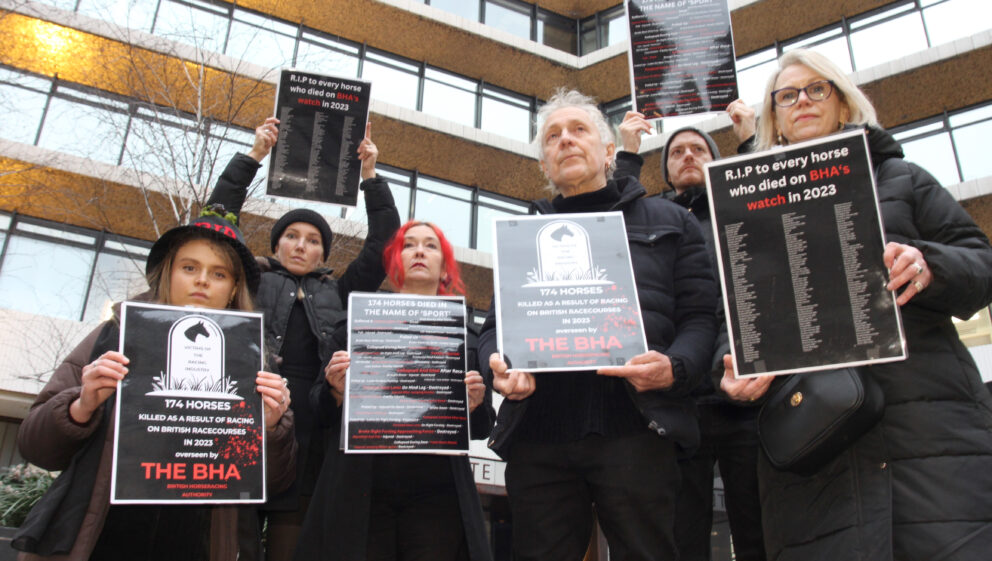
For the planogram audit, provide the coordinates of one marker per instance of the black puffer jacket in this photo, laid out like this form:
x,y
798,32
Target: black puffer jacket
x,y
677,296
918,486
696,201
325,297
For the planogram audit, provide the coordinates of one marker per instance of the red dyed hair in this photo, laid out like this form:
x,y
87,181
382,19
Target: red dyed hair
x,y
392,260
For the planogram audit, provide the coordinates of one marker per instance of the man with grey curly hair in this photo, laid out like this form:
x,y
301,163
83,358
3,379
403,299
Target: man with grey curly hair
x,y
608,437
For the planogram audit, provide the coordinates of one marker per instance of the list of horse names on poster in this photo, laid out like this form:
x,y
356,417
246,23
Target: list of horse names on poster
x,y
801,244
321,124
406,383
681,56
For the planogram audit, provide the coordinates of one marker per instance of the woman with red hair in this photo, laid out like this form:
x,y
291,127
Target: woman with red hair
x,y
399,506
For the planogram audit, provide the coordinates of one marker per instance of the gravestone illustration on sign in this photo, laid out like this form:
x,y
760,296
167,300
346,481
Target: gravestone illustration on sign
x,y
195,362
564,256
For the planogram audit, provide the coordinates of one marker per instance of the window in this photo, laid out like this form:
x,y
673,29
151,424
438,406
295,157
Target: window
x,y
66,272
872,37
134,14
393,80
506,114
490,207
468,9
947,20
22,101
84,125
448,206
265,41
556,32
831,43
971,131
193,22
511,17
318,53
449,97
753,71
951,147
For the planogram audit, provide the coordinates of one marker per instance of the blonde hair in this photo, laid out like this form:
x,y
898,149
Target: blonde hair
x,y
860,109
159,277
563,99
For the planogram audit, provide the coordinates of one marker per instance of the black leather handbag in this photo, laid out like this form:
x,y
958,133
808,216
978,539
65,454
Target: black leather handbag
x,y
811,418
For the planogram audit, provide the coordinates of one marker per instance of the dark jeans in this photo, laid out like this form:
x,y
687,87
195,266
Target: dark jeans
x,y
730,437
632,481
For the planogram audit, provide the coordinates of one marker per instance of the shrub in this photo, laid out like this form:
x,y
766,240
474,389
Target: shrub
x,y
20,488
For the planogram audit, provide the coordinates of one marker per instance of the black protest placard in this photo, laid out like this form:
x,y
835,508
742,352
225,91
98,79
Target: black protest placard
x,y
800,244
681,56
406,383
321,124
189,425
565,292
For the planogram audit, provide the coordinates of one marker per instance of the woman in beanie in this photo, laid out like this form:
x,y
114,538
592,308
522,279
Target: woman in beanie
x,y
400,506
302,304
70,426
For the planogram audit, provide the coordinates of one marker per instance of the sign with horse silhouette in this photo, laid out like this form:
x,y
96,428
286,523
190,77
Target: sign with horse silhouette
x,y
188,421
565,292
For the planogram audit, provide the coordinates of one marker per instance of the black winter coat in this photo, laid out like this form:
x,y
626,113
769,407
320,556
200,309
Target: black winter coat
x,y
326,298
337,523
677,296
696,201
918,486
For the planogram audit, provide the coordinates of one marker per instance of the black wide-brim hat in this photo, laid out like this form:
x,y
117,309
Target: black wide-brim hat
x,y
217,228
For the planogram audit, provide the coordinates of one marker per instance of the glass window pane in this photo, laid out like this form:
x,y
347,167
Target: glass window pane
x,y
587,36
61,4
446,189
452,216
511,20
82,130
223,147
321,55
873,45
23,107
484,229
972,145
557,33
198,26
393,83
163,148
43,277
955,19
468,9
505,119
449,97
135,14
615,29
971,115
934,153
116,278
263,41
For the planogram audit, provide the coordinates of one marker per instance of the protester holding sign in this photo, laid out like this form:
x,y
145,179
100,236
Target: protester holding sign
x,y
728,429
303,304
399,506
70,426
918,485
608,437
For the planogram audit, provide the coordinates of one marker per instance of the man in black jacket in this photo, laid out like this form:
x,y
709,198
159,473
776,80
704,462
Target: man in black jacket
x,y
728,429
607,437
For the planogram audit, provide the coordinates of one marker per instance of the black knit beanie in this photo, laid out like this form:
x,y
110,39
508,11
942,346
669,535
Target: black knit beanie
x,y
714,151
303,215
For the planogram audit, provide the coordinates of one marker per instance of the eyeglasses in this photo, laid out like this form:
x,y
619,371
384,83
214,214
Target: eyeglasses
x,y
817,91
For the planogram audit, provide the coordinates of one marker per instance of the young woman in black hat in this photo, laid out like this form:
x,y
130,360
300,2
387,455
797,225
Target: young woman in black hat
x,y
70,426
